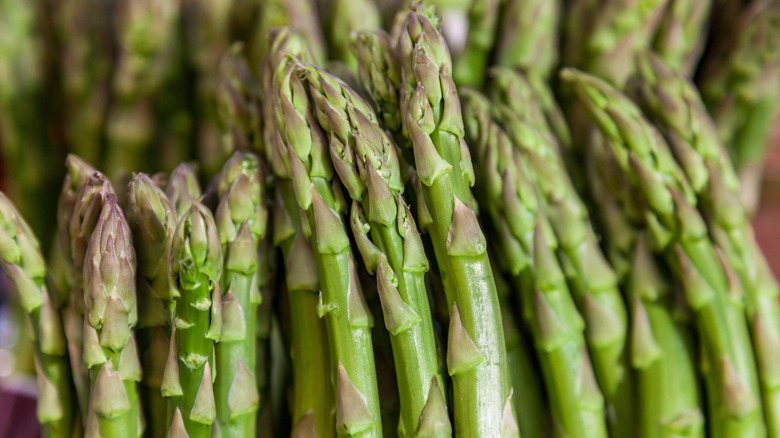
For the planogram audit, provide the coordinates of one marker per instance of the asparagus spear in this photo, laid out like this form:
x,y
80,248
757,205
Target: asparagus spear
x,y
300,15
344,17
739,80
194,270
682,33
679,232
241,219
313,392
152,220
675,106
183,188
602,37
71,299
515,210
110,315
473,61
22,262
300,156
379,74
528,35
432,120
365,160
238,97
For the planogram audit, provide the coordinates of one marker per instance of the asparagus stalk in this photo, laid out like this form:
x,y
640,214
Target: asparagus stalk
x,y
300,15
343,18
682,33
71,299
183,188
22,262
432,120
110,315
473,61
679,232
300,156
145,34
194,270
313,391
528,35
238,99
682,118
241,218
366,162
602,37
152,220
379,74
515,210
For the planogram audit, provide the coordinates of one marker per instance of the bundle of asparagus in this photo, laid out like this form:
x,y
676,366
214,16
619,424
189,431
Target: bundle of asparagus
x,y
521,241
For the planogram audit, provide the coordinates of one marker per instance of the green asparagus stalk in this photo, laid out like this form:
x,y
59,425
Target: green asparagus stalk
x,y
238,97
739,80
300,15
528,36
591,279
300,156
432,120
146,41
366,162
679,232
471,64
515,210
241,218
673,103
194,270
71,298
313,392
344,17
682,33
152,220
379,74
661,353
110,315
183,188
22,262
602,37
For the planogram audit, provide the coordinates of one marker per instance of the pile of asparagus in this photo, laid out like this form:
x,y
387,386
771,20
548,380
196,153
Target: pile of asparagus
x,y
504,240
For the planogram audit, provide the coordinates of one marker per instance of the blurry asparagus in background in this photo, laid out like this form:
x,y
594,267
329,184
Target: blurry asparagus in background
x,y
110,315
148,58
366,162
341,18
22,262
241,218
679,233
603,37
183,188
527,36
194,269
739,81
300,15
152,220
434,124
674,104
29,157
238,100
85,35
472,62
682,33
313,392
